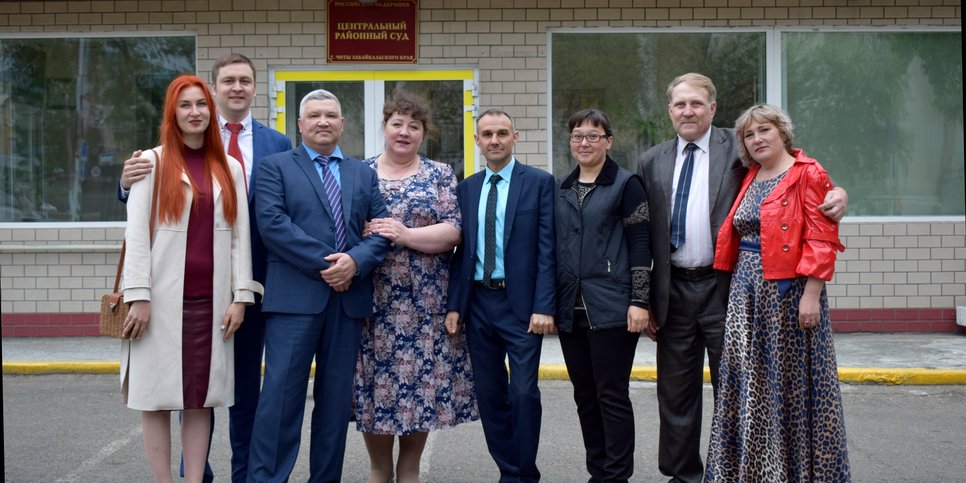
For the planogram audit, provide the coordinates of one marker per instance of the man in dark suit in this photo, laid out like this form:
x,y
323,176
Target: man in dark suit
x,y
311,204
502,286
233,87
688,299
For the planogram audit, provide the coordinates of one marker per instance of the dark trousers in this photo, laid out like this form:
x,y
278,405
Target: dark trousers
x,y
291,341
509,405
695,324
249,345
599,363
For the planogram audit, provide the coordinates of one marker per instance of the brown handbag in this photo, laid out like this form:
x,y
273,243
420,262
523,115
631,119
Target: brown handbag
x,y
113,309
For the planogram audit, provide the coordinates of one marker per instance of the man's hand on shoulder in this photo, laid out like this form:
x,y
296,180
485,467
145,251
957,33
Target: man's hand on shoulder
x,y
836,201
135,169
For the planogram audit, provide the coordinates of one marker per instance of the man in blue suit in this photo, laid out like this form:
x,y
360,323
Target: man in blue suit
x,y
233,87
311,204
502,286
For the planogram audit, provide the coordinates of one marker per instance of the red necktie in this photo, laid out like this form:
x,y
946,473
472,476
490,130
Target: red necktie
x,y
234,150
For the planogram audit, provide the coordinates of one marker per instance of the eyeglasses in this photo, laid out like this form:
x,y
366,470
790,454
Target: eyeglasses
x,y
591,138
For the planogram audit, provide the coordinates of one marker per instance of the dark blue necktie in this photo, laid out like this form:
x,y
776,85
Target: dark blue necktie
x,y
681,198
334,193
489,231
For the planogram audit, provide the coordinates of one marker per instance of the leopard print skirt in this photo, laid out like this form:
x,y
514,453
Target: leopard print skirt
x,y
778,413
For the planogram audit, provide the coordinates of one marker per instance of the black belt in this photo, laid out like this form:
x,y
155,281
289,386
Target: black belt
x,y
696,273
493,285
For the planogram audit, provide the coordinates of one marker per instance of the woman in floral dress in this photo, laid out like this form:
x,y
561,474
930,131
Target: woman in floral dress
x,y
778,414
411,376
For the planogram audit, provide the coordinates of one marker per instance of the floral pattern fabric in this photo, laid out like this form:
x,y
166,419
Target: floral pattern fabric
x,y
411,375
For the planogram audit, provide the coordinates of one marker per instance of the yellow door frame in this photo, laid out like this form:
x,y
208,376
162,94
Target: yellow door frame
x,y
467,75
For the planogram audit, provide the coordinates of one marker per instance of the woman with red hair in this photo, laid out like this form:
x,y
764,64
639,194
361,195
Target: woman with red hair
x,y
187,278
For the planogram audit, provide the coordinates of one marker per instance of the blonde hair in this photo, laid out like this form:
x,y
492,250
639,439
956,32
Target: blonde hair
x,y
694,80
763,113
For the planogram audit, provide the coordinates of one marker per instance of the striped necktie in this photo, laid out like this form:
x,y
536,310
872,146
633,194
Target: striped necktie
x,y
334,193
680,210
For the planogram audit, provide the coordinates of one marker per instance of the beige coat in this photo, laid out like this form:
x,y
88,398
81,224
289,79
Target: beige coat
x,y
151,367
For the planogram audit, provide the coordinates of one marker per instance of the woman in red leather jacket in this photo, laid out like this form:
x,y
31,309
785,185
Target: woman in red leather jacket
x,y
778,413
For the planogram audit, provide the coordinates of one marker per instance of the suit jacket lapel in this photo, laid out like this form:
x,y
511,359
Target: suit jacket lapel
x,y
471,221
347,173
666,176
307,165
513,197
718,157
258,149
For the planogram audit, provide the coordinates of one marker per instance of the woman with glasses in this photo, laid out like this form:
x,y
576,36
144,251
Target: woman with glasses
x,y
603,277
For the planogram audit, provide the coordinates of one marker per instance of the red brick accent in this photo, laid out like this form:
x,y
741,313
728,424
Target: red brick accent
x,y
845,326
50,325
895,320
909,314
855,314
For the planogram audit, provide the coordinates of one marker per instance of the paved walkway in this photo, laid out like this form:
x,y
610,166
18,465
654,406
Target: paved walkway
x,y
900,358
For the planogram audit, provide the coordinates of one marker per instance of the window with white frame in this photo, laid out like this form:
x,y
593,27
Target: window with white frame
x,y
72,109
626,73
882,110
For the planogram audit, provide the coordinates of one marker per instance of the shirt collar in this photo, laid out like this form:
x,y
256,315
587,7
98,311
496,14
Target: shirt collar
x,y
246,123
702,142
336,155
504,173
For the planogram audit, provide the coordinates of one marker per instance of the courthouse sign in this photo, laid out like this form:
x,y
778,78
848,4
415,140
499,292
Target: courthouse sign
x,y
371,32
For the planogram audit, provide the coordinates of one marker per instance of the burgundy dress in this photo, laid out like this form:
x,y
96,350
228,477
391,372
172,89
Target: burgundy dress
x,y
197,318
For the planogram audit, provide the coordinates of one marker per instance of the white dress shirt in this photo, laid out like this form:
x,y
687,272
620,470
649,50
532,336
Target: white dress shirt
x,y
697,250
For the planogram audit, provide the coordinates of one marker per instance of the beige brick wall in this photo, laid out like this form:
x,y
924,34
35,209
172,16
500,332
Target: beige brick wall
x,y
505,39
885,265
903,264
57,270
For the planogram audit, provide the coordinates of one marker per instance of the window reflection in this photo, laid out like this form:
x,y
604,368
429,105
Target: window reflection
x,y
627,77
445,100
71,112
352,99
883,112
446,108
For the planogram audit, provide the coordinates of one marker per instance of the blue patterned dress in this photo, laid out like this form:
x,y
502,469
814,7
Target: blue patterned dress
x,y
411,376
778,412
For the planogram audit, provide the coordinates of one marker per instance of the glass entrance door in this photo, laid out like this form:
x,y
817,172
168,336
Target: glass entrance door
x,y
451,95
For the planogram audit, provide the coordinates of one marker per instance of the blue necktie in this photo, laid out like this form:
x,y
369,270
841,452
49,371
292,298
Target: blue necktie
x,y
489,231
334,193
681,198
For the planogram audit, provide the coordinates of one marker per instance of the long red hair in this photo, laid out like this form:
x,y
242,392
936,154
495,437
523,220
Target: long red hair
x,y
171,196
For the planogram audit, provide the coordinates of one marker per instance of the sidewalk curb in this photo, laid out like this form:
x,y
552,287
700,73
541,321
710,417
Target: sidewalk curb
x,y
861,375
62,367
